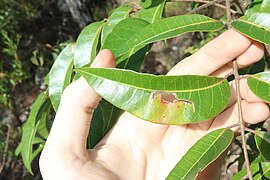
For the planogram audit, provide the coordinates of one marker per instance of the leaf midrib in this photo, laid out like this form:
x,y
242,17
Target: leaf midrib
x,y
148,89
206,151
253,24
145,41
261,80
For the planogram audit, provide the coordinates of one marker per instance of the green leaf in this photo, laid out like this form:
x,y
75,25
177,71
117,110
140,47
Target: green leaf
x,y
201,154
110,115
160,99
260,85
160,30
96,128
263,143
107,114
153,12
30,127
256,26
43,126
60,75
135,61
146,3
36,140
265,7
116,16
254,7
104,118
259,171
123,31
86,45
117,37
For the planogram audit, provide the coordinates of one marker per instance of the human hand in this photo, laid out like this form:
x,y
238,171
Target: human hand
x,y
137,149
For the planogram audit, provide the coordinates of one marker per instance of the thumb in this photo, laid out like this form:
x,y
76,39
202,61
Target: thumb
x,y
72,122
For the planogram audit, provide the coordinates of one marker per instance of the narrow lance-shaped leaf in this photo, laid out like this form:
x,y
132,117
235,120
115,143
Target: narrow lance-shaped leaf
x,y
130,26
36,140
86,45
103,119
160,99
161,30
263,143
201,154
153,12
254,25
43,126
260,85
30,128
60,75
116,16
259,171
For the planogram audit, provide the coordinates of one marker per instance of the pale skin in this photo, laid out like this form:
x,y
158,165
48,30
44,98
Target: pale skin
x,y
136,149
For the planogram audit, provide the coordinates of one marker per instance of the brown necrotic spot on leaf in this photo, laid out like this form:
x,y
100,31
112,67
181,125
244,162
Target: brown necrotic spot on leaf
x,y
168,98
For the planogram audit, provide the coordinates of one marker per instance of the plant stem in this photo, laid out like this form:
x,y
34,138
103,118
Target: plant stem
x,y
250,130
240,117
229,17
209,3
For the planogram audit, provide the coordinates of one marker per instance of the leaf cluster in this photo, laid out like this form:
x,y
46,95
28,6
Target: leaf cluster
x,y
130,33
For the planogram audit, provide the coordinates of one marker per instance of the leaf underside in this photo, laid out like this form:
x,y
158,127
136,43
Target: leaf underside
x,y
160,99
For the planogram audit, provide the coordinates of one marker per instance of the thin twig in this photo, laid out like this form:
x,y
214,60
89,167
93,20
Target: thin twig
x,y
233,126
250,130
240,117
267,54
239,99
209,3
229,17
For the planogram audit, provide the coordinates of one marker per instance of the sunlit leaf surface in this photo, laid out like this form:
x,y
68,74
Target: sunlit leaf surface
x,y
38,111
260,85
116,16
86,45
160,30
201,154
259,171
60,75
254,25
161,99
153,12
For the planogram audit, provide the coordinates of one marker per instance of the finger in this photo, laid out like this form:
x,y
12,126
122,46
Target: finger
x,y
71,125
253,113
245,92
253,54
214,55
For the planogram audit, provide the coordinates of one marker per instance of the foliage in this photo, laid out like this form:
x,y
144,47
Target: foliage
x,y
30,32
129,33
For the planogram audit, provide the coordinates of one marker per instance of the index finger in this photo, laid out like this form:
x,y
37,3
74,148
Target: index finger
x,y
214,54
